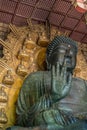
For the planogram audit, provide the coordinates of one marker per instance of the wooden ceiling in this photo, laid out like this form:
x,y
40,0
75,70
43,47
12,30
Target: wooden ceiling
x,y
60,13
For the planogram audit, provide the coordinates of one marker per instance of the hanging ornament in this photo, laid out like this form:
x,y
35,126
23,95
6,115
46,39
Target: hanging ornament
x,y
81,5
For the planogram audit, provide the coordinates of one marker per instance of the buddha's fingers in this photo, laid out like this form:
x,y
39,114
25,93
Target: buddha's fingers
x,y
64,74
58,70
70,79
67,87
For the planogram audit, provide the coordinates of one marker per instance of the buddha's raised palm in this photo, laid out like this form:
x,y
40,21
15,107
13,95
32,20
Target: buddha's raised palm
x,y
60,80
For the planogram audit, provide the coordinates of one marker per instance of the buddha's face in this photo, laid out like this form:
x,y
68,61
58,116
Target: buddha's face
x,y
64,54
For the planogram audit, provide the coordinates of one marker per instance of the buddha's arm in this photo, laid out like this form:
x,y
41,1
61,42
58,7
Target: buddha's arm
x,y
25,101
28,99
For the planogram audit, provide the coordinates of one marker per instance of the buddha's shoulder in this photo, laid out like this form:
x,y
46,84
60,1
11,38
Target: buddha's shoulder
x,y
37,75
78,80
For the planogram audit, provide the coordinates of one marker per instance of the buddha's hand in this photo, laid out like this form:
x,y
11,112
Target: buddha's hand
x,y
60,80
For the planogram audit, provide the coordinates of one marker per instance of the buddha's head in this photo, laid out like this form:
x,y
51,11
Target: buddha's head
x,y
63,50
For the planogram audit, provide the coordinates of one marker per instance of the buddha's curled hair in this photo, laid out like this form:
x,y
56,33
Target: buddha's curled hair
x,y
57,41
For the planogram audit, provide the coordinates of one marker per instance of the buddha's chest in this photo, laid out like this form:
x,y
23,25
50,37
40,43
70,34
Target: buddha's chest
x,y
76,100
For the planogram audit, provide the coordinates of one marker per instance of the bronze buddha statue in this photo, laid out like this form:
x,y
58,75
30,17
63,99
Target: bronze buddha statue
x,y
53,99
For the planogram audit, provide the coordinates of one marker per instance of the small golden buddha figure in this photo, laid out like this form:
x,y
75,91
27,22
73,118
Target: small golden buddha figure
x,y
23,54
22,70
43,40
8,78
3,96
29,42
3,117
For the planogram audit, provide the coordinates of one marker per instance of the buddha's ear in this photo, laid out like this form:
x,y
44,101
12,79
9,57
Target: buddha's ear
x,y
74,60
48,65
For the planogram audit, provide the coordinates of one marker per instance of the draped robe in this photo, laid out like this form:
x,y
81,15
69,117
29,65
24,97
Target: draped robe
x,y
38,106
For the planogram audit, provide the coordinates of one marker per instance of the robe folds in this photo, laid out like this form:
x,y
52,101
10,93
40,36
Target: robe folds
x,y
37,105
